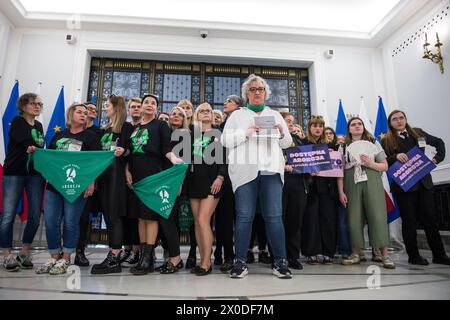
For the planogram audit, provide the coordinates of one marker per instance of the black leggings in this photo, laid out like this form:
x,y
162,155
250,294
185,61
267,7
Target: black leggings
x,y
130,231
114,228
169,231
224,222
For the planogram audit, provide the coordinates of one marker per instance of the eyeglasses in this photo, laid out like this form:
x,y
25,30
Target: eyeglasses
x,y
228,101
316,117
92,109
40,104
260,90
204,111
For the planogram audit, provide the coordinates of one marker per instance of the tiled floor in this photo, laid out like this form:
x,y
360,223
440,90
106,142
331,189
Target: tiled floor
x,y
313,282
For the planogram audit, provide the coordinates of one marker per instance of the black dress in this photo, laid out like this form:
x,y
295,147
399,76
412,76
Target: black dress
x,y
112,182
149,143
201,175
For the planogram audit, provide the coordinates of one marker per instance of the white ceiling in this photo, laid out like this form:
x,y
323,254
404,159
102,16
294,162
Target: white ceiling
x,y
357,22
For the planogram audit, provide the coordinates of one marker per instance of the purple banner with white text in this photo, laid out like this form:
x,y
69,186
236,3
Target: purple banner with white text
x,y
408,174
309,158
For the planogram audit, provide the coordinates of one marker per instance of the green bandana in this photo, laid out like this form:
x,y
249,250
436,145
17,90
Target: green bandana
x,y
256,108
71,172
159,191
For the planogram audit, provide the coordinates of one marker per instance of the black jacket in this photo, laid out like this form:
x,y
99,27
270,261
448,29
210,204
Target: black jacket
x,y
404,145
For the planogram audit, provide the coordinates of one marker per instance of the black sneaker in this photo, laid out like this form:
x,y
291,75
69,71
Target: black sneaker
x,y
10,263
327,260
80,259
226,266
239,270
132,260
295,264
191,262
111,264
124,254
280,269
250,257
263,257
24,261
442,260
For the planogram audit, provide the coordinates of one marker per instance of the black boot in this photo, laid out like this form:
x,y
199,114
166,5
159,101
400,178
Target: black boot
x,y
146,262
80,258
111,264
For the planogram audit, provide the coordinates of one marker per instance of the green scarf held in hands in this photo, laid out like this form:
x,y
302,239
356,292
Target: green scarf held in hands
x,y
71,172
256,108
159,191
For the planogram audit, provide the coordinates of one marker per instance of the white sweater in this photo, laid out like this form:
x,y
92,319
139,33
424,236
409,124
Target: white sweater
x,y
248,157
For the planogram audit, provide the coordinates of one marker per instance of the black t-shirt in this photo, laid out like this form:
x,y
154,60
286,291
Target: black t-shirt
x,y
21,136
149,144
122,139
66,141
99,132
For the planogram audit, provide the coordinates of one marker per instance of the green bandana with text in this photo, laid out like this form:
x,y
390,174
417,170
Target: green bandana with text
x,y
159,191
71,172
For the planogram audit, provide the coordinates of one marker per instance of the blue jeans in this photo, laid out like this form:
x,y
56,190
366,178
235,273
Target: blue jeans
x,y
12,187
269,189
344,246
57,208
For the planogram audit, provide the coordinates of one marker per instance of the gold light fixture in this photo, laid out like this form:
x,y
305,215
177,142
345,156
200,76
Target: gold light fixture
x,y
435,57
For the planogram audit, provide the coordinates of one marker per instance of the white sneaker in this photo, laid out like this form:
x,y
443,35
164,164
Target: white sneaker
x,y
60,267
45,268
388,263
353,259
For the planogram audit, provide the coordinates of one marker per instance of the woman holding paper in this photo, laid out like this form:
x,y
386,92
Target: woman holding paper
x,y
319,225
417,204
361,191
59,210
256,168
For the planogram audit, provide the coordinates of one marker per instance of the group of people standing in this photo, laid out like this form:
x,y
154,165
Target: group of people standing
x,y
235,174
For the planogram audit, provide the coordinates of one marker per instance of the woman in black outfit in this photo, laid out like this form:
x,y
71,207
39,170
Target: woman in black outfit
x,y
295,195
173,262
25,134
417,204
130,255
319,225
225,211
150,144
204,182
112,183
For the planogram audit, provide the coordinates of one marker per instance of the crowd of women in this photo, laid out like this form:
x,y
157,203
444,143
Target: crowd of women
x,y
247,192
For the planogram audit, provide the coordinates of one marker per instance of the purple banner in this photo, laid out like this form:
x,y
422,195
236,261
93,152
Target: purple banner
x,y
337,166
408,174
309,158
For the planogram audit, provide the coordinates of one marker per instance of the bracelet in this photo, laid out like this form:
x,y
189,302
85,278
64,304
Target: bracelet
x,y
220,178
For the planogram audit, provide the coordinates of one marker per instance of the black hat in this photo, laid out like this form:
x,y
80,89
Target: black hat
x,y
154,96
